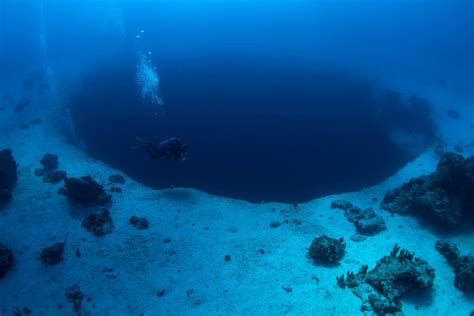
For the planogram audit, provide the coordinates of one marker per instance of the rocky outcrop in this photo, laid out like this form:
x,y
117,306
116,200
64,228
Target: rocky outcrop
x,y
445,197
327,250
463,266
85,190
367,222
382,288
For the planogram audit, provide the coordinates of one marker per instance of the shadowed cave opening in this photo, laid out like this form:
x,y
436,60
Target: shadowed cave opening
x,y
257,130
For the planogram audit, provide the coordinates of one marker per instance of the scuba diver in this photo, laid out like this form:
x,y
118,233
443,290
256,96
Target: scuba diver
x,y
170,148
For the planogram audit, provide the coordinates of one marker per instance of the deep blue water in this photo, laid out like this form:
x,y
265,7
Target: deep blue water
x,y
257,129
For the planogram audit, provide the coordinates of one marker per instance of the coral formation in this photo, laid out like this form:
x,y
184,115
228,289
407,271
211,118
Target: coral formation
x,y
463,266
327,249
139,222
8,174
6,259
392,277
49,171
74,296
99,222
85,190
49,161
445,197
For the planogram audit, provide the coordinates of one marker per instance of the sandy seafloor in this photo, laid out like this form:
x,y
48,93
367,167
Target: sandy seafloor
x,y
203,229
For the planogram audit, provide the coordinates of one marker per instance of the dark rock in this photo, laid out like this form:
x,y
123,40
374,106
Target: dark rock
x,y
53,254
464,274
99,222
54,176
449,251
445,197
8,174
49,162
117,178
227,258
341,204
116,189
275,224
85,190
139,222
49,171
6,259
74,296
166,240
391,278
463,266
327,249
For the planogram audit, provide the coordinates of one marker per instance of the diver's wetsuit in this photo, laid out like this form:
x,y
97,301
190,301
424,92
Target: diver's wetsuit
x,y
170,148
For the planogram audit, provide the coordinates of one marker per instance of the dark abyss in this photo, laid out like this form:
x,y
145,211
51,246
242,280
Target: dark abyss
x,y
257,130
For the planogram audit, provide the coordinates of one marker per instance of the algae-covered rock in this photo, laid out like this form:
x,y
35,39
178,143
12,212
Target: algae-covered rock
x,y
326,249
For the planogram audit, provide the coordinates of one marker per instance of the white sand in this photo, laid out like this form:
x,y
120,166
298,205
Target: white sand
x,y
203,229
